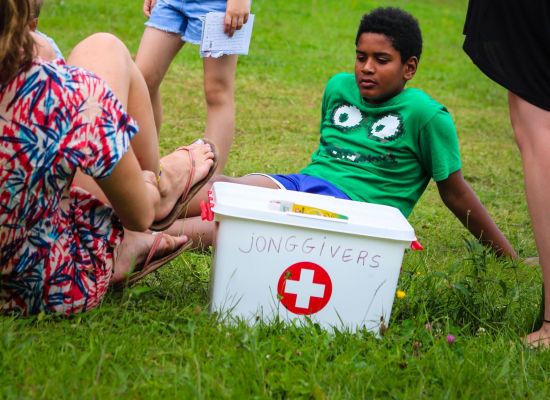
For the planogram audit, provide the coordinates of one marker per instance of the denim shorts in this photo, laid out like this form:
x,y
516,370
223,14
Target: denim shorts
x,y
183,17
307,184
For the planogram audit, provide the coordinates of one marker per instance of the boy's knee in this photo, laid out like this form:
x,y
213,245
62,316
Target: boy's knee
x,y
220,178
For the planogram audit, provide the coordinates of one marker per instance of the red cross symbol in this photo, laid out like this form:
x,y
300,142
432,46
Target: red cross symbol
x,y
304,288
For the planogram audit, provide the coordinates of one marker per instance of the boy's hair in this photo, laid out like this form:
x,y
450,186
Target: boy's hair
x,y
398,25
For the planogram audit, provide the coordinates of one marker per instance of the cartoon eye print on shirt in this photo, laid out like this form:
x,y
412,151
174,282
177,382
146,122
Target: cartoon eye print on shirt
x,y
347,117
387,128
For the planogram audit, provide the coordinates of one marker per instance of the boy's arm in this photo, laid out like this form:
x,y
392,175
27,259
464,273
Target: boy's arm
x,y
236,15
460,198
42,48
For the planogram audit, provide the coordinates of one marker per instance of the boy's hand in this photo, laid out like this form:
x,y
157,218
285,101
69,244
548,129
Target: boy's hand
x,y
531,261
460,198
236,15
148,7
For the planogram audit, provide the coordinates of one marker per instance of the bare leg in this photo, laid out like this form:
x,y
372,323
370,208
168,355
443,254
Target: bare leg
x,y
116,67
134,250
532,130
203,232
171,185
156,51
172,182
121,74
219,77
194,209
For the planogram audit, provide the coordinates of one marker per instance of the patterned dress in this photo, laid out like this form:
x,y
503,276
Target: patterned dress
x,y
56,240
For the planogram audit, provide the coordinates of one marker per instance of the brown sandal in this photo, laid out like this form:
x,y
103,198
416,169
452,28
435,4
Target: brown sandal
x,y
150,265
188,193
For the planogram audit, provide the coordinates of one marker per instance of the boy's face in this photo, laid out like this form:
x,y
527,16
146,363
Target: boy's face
x,y
379,72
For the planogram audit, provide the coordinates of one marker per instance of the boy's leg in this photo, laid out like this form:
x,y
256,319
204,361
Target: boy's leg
x,y
219,78
194,209
532,130
202,232
156,51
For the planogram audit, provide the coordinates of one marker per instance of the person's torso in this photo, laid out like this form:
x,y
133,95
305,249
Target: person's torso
x,y
373,152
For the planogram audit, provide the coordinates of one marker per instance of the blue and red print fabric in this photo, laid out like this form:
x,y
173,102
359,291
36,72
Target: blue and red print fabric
x,y
56,240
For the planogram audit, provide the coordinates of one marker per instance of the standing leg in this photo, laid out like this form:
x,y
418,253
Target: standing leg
x,y
156,51
219,78
532,130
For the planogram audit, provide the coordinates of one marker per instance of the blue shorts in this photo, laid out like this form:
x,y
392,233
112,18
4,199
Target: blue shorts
x,y
308,184
183,17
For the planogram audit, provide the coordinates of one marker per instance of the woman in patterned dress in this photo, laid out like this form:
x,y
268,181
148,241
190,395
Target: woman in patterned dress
x,y
79,183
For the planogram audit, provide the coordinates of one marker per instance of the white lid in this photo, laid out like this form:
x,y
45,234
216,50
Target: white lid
x,y
256,203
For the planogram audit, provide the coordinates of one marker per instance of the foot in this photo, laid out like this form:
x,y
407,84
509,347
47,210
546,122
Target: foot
x,y
177,228
176,169
134,249
540,338
531,261
201,232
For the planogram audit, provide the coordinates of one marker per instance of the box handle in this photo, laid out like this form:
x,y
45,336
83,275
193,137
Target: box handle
x,y
206,208
319,217
302,209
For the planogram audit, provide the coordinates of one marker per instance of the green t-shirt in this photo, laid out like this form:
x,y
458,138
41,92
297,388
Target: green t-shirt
x,y
383,153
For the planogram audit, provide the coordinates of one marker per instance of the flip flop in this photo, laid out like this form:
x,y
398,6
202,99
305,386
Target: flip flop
x,y
150,266
189,192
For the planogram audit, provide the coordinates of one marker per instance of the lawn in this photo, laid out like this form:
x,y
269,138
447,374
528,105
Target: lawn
x,y
158,340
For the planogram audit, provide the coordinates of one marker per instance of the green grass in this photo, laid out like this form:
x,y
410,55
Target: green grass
x,y
157,340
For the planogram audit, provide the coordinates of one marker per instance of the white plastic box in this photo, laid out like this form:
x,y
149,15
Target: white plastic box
x,y
272,264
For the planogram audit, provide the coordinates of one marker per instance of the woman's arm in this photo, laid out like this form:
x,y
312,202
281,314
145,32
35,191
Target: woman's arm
x,y
132,193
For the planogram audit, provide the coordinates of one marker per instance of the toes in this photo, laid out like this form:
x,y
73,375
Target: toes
x,y
207,151
171,243
538,339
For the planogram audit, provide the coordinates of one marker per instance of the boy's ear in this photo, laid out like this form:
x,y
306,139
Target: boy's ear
x,y
33,24
409,68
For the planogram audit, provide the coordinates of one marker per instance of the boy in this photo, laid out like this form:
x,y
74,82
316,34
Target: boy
x,y
36,6
382,143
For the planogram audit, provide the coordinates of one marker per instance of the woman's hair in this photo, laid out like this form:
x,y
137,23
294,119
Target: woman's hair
x,y
16,43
